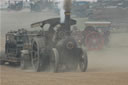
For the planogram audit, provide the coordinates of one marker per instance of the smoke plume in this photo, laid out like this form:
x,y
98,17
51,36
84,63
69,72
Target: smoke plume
x,y
62,15
64,6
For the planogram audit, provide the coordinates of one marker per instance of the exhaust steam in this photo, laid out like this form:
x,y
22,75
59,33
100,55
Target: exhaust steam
x,y
64,6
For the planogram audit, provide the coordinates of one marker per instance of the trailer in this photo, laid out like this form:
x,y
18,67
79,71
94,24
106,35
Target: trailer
x,y
14,44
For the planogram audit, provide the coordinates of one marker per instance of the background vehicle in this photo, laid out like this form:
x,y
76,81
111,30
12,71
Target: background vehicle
x,y
15,42
17,5
81,8
95,35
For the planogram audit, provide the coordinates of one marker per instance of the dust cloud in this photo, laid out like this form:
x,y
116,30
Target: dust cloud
x,y
108,66
112,58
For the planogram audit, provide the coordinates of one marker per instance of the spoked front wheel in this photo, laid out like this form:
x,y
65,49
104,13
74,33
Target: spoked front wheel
x,y
83,62
54,60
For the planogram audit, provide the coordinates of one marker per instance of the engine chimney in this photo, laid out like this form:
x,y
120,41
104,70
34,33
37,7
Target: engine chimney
x,y
67,7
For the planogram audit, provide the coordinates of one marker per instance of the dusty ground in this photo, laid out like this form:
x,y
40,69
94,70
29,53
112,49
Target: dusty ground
x,y
106,67
11,76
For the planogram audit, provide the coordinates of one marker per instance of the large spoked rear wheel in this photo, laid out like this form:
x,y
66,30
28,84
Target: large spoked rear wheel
x,y
83,62
54,60
36,57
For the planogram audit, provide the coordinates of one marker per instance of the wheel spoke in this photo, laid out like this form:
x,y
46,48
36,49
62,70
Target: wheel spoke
x,y
35,57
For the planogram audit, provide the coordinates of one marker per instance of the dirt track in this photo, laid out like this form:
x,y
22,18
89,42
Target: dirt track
x,y
11,76
106,67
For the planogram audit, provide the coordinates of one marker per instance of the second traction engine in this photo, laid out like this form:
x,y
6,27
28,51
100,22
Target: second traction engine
x,y
55,49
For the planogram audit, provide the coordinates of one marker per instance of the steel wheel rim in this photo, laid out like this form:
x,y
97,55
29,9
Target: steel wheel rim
x,y
83,62
35,56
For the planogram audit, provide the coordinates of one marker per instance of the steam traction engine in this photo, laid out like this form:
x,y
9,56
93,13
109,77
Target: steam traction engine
x,y
51,49
55,49
95,36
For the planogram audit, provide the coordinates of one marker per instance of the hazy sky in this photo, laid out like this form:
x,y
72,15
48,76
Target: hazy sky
x,y
78,0
2,1
81,0
87,0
